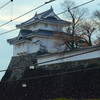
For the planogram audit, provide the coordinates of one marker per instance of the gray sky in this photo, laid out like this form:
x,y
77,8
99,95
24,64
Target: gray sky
x,y
19,7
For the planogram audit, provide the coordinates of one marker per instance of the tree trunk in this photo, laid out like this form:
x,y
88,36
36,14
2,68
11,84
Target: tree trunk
x,y
90,43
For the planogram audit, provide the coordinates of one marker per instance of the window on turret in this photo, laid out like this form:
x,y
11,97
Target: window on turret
x,y
42,48
51,18
46,25
35,25
20,38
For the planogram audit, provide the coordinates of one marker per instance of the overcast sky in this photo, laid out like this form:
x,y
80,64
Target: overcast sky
x,y
19,7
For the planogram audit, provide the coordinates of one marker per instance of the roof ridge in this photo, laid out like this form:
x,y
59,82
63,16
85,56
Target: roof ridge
x,y
43,18
36,16
51,9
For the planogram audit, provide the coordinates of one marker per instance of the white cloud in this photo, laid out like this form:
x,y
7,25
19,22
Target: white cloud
x,y
6,28
6,19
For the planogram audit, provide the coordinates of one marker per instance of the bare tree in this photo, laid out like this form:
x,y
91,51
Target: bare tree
x,y
97,41
87,30
97,18
71,39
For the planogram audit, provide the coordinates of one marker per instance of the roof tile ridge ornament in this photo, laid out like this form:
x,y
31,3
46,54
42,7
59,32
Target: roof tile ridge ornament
x,y
51,8
35,14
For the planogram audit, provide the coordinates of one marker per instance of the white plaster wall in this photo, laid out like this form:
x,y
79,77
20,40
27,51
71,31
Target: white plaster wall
x,y
45,27
31,47
68,57
27,47
48,42
19,48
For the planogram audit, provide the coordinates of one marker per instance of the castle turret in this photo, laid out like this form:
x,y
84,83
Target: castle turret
x,y
40,28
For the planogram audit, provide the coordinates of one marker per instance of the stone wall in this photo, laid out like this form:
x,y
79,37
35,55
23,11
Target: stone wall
x,y
71,80
18,65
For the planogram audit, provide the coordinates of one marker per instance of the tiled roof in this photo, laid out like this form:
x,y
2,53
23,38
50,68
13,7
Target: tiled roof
x,y
47,16
25,35
21,37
